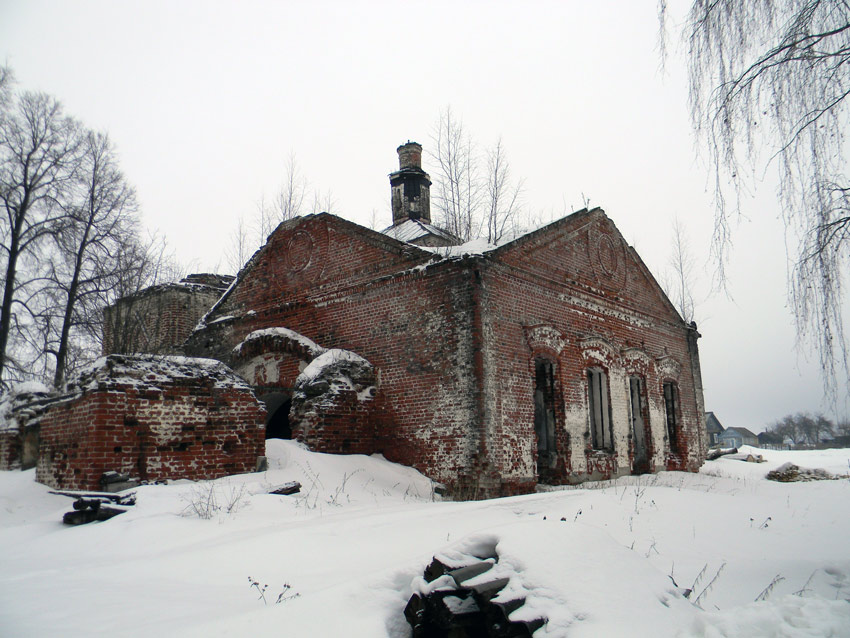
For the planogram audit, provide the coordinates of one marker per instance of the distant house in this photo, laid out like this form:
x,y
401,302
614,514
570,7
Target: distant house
x,y
771,440
713,428
736,437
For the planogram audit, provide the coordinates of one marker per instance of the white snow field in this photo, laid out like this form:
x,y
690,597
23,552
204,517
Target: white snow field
x,y
763,558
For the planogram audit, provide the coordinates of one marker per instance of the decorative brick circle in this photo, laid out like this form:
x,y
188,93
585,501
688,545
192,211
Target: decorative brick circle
x,y
608,255
300,250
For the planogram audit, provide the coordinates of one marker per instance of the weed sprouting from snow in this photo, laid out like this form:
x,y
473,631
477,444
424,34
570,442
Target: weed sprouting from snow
x,y
699,577
708,587
767,590
342,489
208,499
202,502
309,498
685,592
282,597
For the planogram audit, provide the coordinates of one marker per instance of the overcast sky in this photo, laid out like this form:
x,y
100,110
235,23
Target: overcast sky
x,y
205,102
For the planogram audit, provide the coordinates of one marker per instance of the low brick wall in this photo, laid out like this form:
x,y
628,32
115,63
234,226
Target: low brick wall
x,y
10,455
154,420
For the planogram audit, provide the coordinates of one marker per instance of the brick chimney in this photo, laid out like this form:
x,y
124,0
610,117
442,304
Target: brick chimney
x,y
410,186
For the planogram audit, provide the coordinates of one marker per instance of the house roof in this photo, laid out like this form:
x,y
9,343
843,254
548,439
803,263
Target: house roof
x,y
741,431
712,423
399,241
412,230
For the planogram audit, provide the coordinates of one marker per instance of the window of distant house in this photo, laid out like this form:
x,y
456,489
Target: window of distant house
x,y
671,406
600,409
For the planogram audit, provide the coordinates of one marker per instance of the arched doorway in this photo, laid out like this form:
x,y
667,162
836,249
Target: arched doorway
x,y
277,419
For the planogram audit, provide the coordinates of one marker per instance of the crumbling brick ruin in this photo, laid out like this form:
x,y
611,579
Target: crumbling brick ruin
x,y
552,358
555,357
20,411
152,418
160,318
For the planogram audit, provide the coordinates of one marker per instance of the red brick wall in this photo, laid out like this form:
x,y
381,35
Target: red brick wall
x,y
348,426
451,343
10,446
554,283
316,254
185,430
416,328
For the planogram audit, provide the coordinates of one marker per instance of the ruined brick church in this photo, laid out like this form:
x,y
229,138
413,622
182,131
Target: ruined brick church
x,y
552,358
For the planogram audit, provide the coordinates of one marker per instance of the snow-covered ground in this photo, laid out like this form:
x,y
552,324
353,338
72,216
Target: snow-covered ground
x,y
596,560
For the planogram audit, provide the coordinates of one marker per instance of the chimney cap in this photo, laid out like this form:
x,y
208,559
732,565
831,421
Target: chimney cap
x,y
410,156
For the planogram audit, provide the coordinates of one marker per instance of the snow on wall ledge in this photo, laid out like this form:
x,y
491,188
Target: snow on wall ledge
x,y
20,410
147,371
154,418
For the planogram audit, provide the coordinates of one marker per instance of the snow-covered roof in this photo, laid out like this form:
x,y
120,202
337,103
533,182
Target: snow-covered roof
x,y
414,229
199,282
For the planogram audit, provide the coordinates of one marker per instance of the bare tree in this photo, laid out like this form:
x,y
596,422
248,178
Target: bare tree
x,y
7,81
323,203
842,429
458,186
768,86
39,154
290,197
100,212
803,428
121,316
503,195
678,280
236,254
287,203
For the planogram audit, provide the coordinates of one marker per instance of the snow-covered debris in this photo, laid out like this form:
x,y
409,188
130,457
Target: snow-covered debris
x,y
790,473
149,371
472,594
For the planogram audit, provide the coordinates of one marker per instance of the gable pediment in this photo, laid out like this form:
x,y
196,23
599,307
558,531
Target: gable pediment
x,y
586,251
312,255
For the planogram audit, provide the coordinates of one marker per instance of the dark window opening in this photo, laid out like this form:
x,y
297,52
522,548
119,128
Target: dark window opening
x,y
412,188
671,407
277,418
544,415
639,417
600,410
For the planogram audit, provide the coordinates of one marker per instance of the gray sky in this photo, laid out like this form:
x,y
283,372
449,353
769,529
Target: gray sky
x,y
205,102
